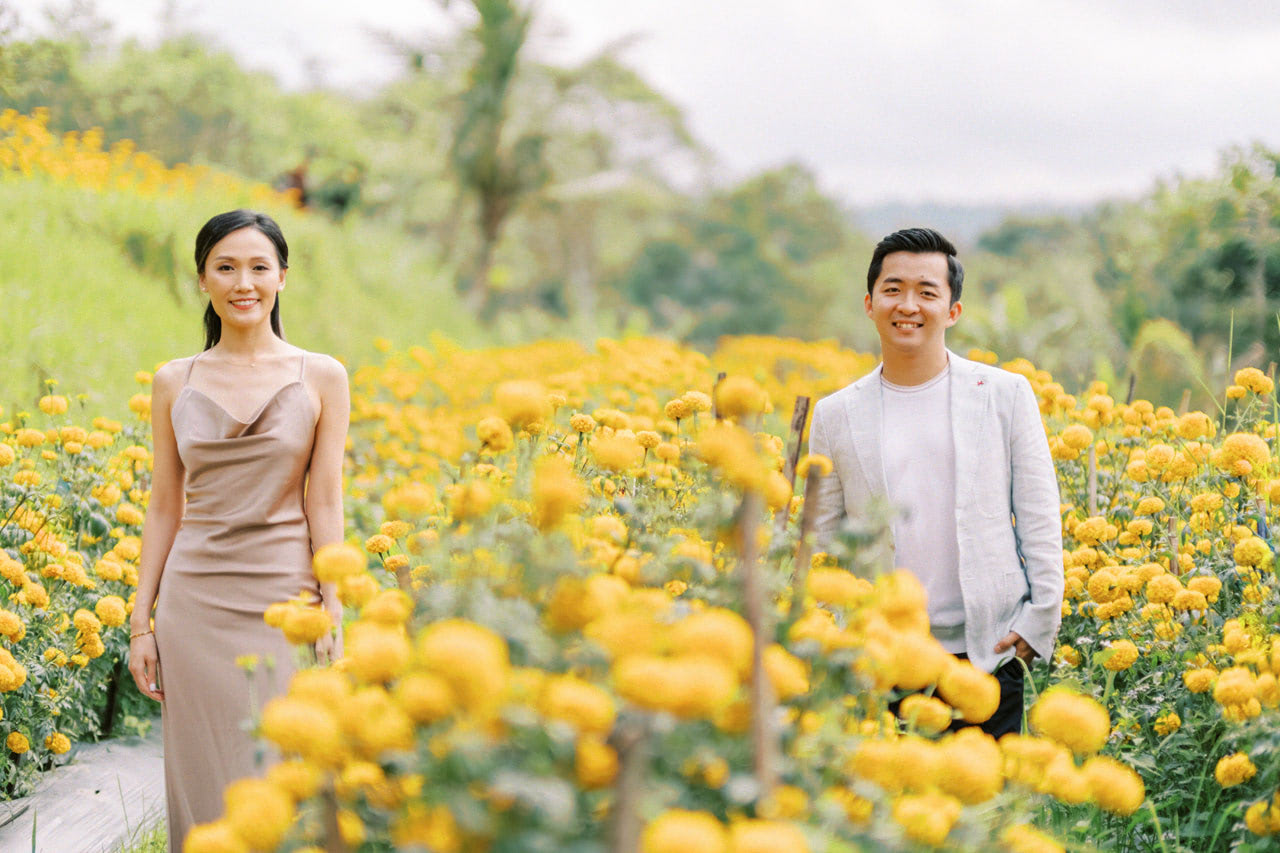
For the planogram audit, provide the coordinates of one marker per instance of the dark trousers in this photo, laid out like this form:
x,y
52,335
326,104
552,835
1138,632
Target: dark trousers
x,y
1008,716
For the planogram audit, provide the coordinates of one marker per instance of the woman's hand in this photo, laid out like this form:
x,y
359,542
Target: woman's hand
x,y
329,647
144,665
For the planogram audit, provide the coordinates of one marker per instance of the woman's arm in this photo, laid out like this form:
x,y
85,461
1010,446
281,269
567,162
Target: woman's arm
x,y
323,503
164,517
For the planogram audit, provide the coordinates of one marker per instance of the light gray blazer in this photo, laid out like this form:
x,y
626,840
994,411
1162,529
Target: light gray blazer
x,y
1011,573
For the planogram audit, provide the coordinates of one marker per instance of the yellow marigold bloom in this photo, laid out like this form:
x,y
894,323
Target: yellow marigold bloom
x,y
1234,769
787,802
376,653
1163,588
379,543
972,692
697,401
838,588
521,402
215,837
616,452
470,499
27,437
557,491
332,562
648,439
303,624
1115,787
1077,437
927,818
17,743
1078,722
595,763
1253,379
901,598
86,622
411,500
1150,506
1024,838
926,714
1263,818
814,463
580,703
1199,680
53,404
689,686
12,626
1189,599
1235,686
1252,551
258,811
718,632
299,779
677,409
1236,392
57,743
738,396
788,674
680,831
472,658
111,609
766,836
1167,723
425,697
1123,655
6,455
921,660
494,434
972,768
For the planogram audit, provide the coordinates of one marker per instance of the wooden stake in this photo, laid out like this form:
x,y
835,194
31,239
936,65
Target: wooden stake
x,y
804,546
1133,380
715,396
1174,542
1093,480
798,417
333,842
1186,401
632,745
763,737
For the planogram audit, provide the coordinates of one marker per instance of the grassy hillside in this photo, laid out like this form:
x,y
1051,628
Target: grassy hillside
x,y
95,285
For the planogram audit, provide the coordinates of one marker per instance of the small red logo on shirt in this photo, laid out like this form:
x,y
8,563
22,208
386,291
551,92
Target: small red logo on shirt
x,y
980,381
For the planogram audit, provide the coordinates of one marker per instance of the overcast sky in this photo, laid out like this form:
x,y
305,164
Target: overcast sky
x,y
896,100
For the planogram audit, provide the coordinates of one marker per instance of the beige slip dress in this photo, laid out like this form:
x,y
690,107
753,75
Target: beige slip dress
x,y
244,544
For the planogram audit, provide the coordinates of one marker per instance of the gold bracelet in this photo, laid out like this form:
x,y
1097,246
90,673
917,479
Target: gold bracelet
x,y
143,634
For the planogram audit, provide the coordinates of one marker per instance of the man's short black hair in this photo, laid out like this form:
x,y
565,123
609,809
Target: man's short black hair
x,y
918,241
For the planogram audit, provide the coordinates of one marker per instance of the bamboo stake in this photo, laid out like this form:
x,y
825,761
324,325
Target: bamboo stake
x,y
1174,542
715,396
798,417
763,738
632,745
1093,480
1133,380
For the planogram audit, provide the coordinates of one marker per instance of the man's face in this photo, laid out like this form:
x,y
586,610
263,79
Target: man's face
x,y
910,302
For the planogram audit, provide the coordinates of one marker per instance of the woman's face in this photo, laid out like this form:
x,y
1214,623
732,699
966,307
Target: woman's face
x,y
242,276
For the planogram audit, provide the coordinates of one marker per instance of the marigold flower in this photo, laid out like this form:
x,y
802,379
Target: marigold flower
x,y
473,659
717,632
766,836
111,609
739,396
258,811
521,402
57,743
1115,787
332,562
1167,723
17,743
425,697
927,818
680,831
215,837
1078,722
494,434
580,703
926,714
972,692
557,491
616,453
1123,655
1199,680
1234,769
595,763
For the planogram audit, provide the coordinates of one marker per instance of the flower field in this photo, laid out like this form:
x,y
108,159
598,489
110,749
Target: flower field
x,y
577,621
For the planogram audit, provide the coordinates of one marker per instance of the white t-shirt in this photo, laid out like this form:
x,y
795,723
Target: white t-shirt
x,y
920,475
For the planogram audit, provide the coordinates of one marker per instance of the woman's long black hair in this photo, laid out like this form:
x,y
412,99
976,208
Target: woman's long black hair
x,y
213,231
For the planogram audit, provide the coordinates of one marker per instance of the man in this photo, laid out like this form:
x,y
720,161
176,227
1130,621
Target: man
x,y
959,449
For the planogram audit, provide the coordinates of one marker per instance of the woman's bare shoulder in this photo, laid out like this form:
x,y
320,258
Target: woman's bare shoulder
x,y
326,367
170,376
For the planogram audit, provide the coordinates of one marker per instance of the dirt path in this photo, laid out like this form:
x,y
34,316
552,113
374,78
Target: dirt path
x,y
109,795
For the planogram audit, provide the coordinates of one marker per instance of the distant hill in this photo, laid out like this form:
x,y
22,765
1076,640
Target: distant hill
x,y
961,223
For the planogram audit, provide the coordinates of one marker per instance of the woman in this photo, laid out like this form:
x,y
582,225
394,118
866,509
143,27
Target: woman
x,y
249,438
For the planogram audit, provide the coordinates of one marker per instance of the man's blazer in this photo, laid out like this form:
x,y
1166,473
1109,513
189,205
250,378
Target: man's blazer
x,y
1011,574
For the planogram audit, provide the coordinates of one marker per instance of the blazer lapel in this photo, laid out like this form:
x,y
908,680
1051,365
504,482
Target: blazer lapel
x,y
968,409
866,413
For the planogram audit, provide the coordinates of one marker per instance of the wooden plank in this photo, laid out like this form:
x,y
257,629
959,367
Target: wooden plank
x,y
107,797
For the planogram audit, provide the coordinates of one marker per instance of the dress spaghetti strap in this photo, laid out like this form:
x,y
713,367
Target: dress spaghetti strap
x,y
190,365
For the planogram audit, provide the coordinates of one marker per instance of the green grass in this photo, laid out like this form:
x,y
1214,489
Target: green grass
x,y
153,840
95,286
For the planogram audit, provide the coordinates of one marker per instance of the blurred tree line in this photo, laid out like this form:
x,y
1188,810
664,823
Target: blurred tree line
x,y
576,199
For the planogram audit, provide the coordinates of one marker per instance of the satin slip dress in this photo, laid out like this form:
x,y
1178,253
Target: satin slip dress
x,y
244,544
